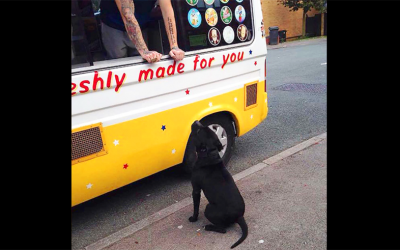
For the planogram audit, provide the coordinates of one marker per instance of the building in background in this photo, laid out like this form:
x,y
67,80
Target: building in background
x,y
275,14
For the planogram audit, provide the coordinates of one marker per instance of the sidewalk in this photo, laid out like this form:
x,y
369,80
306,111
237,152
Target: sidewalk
x,y
296,43
286,206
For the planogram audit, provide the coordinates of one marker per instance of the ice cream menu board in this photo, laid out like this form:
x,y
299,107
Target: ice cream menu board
x,y
205,24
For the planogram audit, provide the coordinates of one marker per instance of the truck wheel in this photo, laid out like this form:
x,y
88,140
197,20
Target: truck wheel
x,y
222,125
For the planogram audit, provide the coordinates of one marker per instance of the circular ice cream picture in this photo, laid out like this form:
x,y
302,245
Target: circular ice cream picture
x,y
242,32
194,18
192,2
239,1
214,36
228,34
224,1
226,15
209,2
211,17
240,13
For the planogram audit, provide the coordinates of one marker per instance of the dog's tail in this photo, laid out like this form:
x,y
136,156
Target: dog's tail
x,y
243,226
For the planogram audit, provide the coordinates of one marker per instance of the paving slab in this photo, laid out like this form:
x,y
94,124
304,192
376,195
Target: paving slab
x,y
286,207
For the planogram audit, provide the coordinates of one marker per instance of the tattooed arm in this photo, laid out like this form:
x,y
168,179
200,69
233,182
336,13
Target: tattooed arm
x,y
169,19
127,10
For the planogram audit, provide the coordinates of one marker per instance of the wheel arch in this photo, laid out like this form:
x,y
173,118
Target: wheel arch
x,y
213,111
231,116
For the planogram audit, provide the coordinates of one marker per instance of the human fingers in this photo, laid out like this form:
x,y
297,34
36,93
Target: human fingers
x,y
159,56
178,55
153,57
181,55
147,58
156,56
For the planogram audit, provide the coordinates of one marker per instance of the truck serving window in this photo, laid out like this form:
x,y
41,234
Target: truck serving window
x,y
87,47
81,54
201,24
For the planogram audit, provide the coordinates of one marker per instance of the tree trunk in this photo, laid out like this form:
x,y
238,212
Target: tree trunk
x,y
322,23
304,23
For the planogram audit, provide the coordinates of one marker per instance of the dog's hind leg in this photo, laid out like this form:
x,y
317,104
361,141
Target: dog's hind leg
x,y
216,217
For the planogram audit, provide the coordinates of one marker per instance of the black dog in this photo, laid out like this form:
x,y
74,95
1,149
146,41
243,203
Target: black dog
x,y
226,204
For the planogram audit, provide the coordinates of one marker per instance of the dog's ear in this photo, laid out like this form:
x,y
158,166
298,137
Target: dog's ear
x,y
196,126
218,145
199,124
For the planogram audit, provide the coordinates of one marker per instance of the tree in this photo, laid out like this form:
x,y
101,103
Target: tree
x,y
306,5
322,7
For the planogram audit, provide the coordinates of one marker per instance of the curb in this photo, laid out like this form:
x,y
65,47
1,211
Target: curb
x,y
294,43
119,235
271,47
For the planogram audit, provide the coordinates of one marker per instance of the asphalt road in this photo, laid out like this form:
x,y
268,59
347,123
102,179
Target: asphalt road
x,y
296,86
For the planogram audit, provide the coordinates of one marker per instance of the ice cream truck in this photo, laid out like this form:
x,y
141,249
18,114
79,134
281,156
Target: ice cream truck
x,y
132,119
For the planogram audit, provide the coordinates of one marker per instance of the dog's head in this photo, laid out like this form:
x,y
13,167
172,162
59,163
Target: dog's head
x,y
206,141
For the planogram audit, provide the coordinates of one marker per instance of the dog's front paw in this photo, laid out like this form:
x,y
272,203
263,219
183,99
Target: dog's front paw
x,y
192,219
